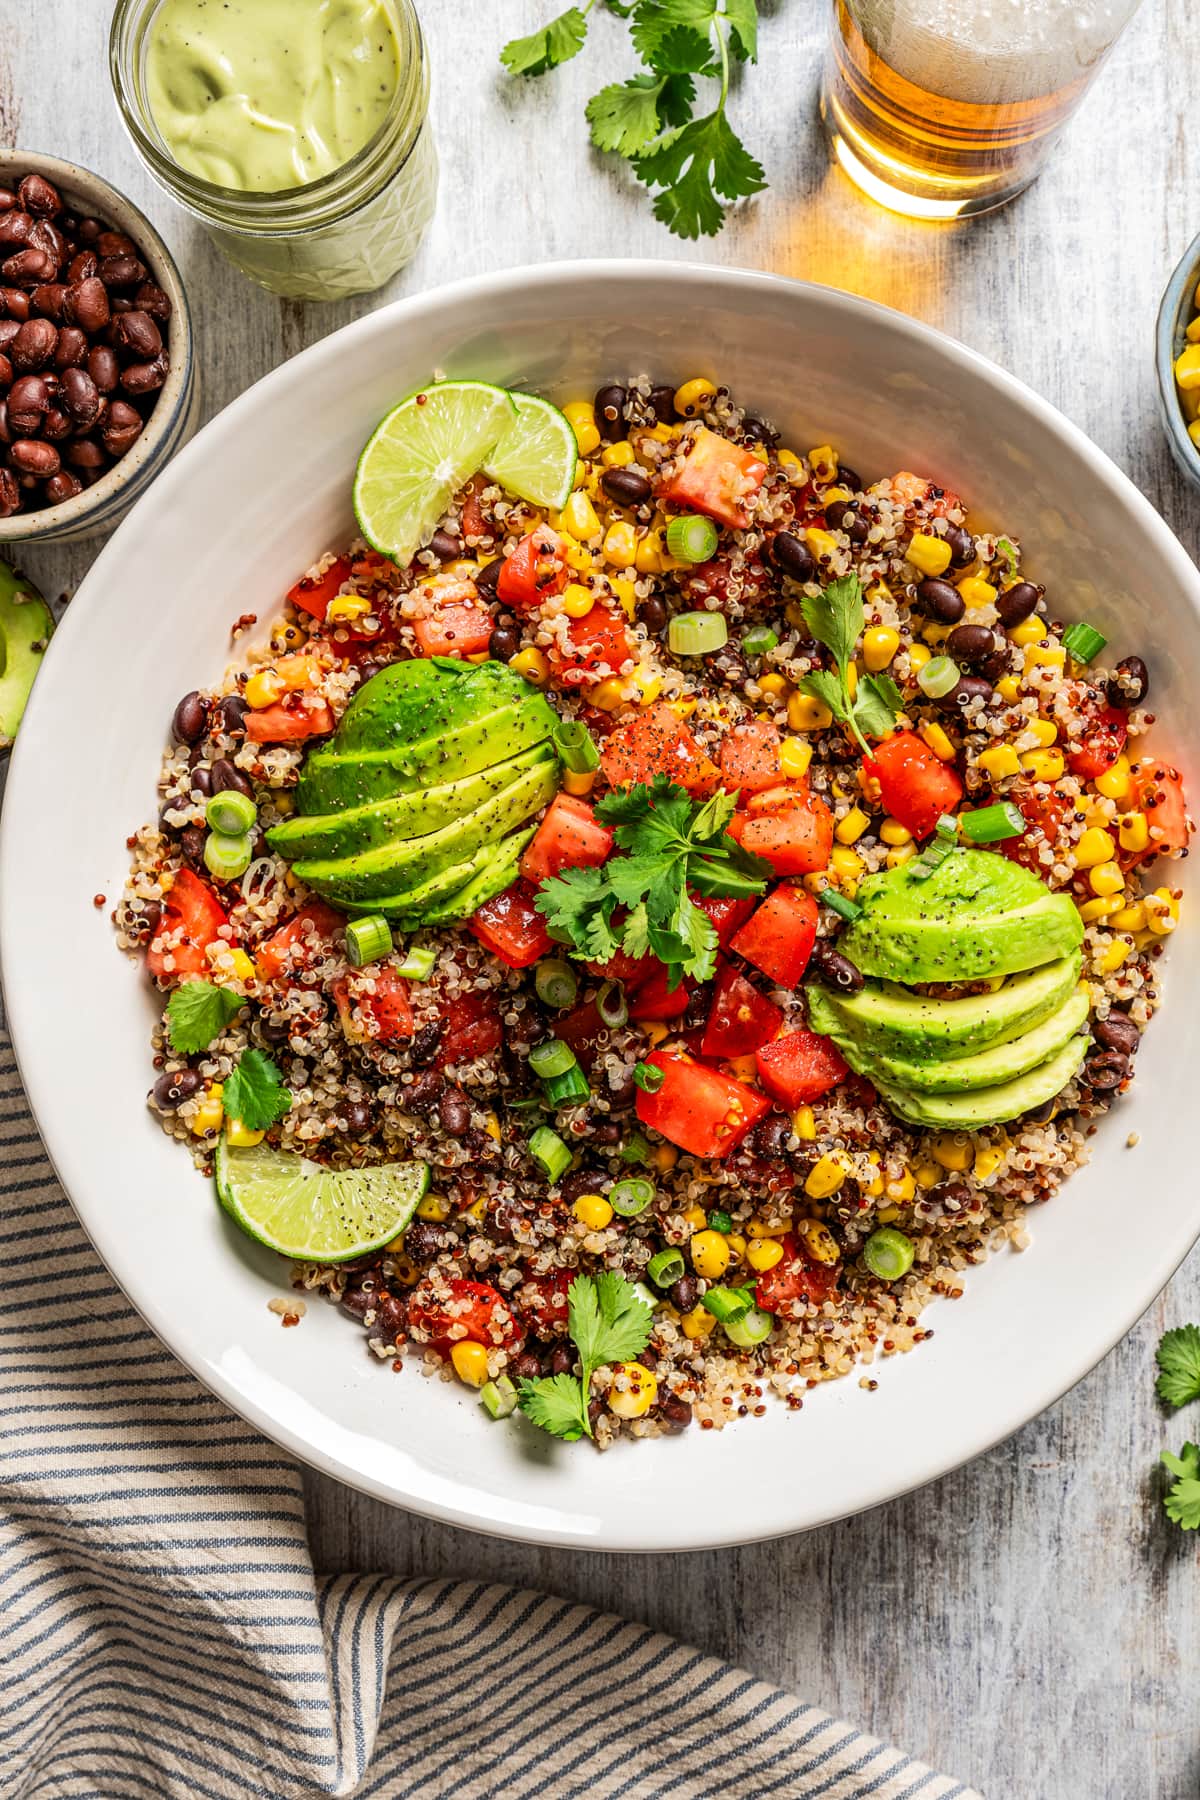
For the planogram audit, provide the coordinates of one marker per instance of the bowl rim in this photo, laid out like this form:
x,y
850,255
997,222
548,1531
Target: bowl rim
x,y
1168,331
70,177
979,1435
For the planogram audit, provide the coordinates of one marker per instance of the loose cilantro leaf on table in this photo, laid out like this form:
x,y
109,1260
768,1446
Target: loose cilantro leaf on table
x,y
1182,1500
836,617
255,1093
542,50
1178,1361
609,1322
197,1013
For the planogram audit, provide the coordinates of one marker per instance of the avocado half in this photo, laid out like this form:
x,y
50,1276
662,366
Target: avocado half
x,y
418,806
25,627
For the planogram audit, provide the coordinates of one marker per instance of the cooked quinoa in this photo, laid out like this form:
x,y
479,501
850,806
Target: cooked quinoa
x,y
1061,741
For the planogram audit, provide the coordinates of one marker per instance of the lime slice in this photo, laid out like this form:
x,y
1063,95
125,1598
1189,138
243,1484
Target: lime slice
x,y
420,456
313,1214
536,460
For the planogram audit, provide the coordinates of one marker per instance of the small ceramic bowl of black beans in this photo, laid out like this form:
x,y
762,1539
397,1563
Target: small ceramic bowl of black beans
x,y
97,373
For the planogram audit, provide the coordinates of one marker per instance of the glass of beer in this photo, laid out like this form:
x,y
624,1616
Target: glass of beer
x,y
945,108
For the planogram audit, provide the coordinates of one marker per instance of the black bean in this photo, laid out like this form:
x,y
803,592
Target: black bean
x,y
359,1118
792,555
1117,1032
152,299
938,600
30,457
423,1239
233,710
39,196
685,1292
227,778
504,643
833,969
1129,685
850,478
174,1087
525,1367
445,547
425,1042
559,1361
965,689
14,304
86,304
121,428
841,516
10,494
391,1317
769,1138
360,1295
652,613
953,1195
136,332
81,398
1105,1071
962,546
63,486
191,841
628,487
202,781
47,300
676,1414
970,643
757,431
189,720
28,403
34,346
120,271
662,405
28,266
454,1112
1016,603
488,576
609,406
103,367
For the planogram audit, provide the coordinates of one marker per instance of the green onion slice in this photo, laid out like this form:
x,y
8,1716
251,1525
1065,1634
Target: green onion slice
x,y
231,813
649,1077
1008,550
567,1088
697,633
726,1303
556,983
612,1005
665,1268
550,1153
749,1328
719,1221
577,747
932,857
227,857
692,538
947,827
635,1149
938,676
418,962
841,904
499,1397
552,1057
991,824
888,1253
631,1196
367,940
759,641
1082,642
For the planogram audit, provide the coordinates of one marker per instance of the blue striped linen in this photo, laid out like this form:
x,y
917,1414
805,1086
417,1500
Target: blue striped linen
x,y
162,1631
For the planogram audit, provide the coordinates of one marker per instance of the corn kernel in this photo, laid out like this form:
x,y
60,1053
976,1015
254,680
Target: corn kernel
x,y
695,397
287,635
579,781
836,493
533,665
900,854
593,1211
608,694
1193,429
1102,907
888,1214
240,1135
937,740
737,1246
620,544
1187,367
577,600
849,829
793,612
1162,911
795,755
1009,688
880,645
435,1207
918,656
698,1323
822,543
1128,918
265,688
1044,765
928,1174
874,1187
826,1175
579,517
791,465
819,1241
240,966
757,1229
1115,782
347,607
1045,656
846,864
1095,846
764,1253
742,1068
1111,958
902,1188
804,1123
581,416
470,1362
664,1157
633,1392
696,1217
777,686
1106,878
617,456
928,553
953,1150
823,461
1134,832
988,1159
976,592
656,1031
1029,631
1192,334
806,713
208,1115
624,592
710,1255
893,832
1044,732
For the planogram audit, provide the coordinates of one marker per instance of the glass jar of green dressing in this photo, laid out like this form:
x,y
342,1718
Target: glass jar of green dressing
x,y
297,131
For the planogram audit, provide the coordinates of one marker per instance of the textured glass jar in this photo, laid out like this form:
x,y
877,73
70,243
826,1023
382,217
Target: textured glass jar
x,y
345,233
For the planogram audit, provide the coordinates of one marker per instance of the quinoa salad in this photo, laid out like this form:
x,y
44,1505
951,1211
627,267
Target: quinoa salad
x,y
633,954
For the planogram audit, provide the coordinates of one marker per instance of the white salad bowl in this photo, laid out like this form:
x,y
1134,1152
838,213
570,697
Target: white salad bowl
x,y
224,531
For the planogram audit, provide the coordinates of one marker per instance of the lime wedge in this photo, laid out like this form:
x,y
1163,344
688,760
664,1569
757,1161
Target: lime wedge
x,y
313,1214
420,456
536,459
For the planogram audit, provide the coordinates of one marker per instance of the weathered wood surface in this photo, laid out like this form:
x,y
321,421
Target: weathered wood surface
x,y
1029,1622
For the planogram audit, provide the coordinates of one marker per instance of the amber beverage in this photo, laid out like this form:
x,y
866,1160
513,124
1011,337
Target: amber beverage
x,y
944,108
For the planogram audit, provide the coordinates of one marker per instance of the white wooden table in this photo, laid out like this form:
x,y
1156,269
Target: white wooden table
x,y
1029,1623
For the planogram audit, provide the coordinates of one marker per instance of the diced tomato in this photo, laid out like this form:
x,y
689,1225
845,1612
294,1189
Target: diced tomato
x,y
287,725
584,1030
1160,795
794,1279
795,840
471,1026
918,490
698,1108
917,787
779,938
1043,811
536,569
470,511
757,583
481,1312
192,916
545,1299
1102,741
512,927
741,1019
312,594
630,971
800,1067
717,478
598,639
657,742
379,998
569,837
304,939
750,757
458,628
726,914
656,1000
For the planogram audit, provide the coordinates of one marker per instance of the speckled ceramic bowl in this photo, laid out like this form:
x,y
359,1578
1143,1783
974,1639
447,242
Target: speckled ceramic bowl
x,y
1177,309
174,417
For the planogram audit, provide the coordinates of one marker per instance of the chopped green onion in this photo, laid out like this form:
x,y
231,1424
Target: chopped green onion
x,y
842,905
635,1149
665,1268
696,633
888,1253
692,538
1082,642
989,824
719,1221
749,1328
499,1397
931,858
1008,550
938,676
643,1293
231,813
552,1057
227,857
726,1303
550,1153
649,1077
567,1088
947,827
612,1005
758,641
631,1196
367,940
418,962
577,747
556,983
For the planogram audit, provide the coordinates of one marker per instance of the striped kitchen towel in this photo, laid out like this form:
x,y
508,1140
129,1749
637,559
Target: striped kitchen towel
x,y
162,1631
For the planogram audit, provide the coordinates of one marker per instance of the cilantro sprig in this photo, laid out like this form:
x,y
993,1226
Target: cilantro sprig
x,y
1178,1359
836,617
198,1012
640,902
255,1093
609,1322
1181,1502
696,165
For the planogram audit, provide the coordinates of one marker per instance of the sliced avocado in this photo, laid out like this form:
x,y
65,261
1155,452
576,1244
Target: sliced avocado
x,y
986,1068
423,698
977,916
382,821
888,1020
412,907
498,868
25,627
989,1105
382,873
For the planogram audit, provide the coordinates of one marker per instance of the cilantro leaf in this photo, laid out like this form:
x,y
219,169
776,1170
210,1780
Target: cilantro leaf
x,y
625,116
1182,1500
830,689
198,1012
555,1403
546,48
1178,1359
877,705
693,165
743,21
255,1093
836,617
609,1322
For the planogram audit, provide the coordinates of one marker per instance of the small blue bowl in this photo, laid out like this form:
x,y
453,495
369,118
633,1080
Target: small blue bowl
x,y
1174,315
